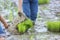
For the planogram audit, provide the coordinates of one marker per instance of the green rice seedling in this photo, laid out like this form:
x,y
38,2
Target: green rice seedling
x,y
43,1
24,26
29,22
10,16
53,26
21,28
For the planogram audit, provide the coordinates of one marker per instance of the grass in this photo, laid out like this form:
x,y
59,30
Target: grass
x,y
24,26
53,26
43,1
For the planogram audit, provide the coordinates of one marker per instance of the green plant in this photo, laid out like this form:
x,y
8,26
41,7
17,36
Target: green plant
x,y
43,1
53,26
21,28
24,26
11,16
29,22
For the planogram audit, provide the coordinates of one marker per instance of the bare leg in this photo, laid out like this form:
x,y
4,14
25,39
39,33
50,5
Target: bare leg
x,y
2,38
3,21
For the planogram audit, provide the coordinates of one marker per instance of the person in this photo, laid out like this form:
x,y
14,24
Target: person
x,y
2,31
30,8
3,21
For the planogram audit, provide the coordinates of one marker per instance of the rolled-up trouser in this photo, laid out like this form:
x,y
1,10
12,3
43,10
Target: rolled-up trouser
x,y
1,29
30,8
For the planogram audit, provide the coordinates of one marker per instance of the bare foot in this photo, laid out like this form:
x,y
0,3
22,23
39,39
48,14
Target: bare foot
x,y
2,38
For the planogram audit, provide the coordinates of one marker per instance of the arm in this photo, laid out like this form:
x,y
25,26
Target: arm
x,y
3,21
20,2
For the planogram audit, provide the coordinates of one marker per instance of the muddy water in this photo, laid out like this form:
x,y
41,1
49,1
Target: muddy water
x,y
46,12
